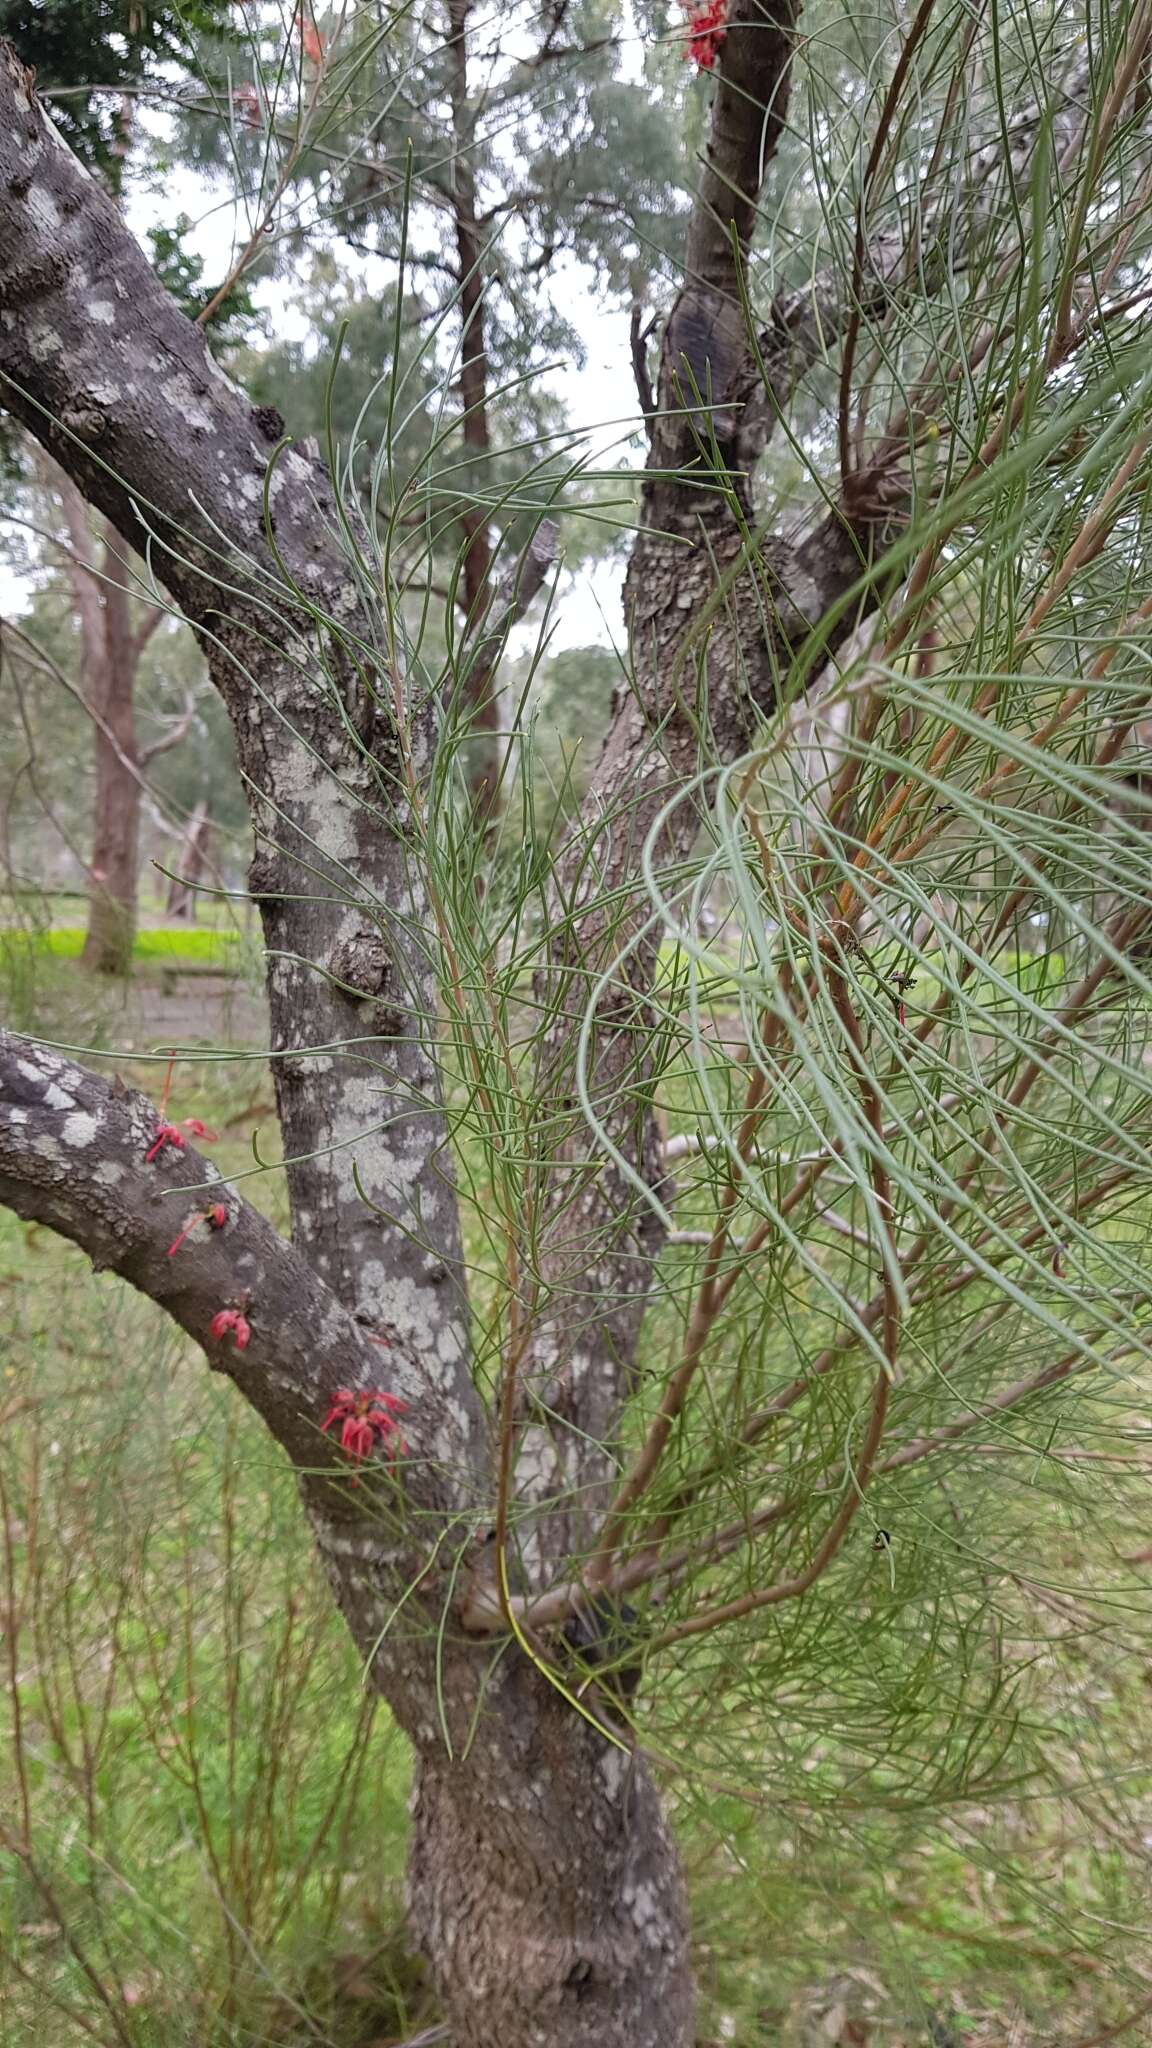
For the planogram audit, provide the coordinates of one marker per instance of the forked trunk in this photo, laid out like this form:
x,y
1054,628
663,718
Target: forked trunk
x,y
545,1888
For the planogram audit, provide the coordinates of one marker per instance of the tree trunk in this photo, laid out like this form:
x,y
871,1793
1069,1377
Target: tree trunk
x,y
545,1888
551,1899
110,656
190,864
544,1885
110,683
483,691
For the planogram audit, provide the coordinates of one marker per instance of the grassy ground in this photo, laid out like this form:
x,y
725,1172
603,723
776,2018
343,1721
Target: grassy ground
x,y
184,945
215,1809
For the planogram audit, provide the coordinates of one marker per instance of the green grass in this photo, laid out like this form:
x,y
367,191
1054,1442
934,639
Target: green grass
x,y
164,946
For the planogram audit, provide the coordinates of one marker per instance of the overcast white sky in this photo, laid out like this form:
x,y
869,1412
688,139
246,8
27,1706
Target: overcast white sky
x,y
599,395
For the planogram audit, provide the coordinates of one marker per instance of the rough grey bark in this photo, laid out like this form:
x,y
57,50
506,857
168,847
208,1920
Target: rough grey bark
x,y
706,671
715,623
565,1919
481,691
104,369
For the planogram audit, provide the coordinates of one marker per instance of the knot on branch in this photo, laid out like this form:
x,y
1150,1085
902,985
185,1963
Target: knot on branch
x,y
269,423
361,964
85,422
876,501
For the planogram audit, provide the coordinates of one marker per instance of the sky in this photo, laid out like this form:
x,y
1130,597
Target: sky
x,y
599,395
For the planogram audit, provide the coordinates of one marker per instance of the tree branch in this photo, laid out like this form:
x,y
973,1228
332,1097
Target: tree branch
x,y
73,1156
176,732
153,618
705,672
805,326
638,336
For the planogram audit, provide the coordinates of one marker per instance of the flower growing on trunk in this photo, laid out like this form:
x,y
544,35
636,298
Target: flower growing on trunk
x,y
230,1322
707,29
365,1419
167,1134
215,1217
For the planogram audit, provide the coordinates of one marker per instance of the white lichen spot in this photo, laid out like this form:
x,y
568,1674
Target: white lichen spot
x,y
644,1905
56,1097
611,1770
44,340
109,1173
182,398
79,1129
43,209
102,311
333,820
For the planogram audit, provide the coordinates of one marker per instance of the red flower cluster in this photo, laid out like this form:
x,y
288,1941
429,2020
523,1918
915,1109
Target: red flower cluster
x,y
173,1134
364,1419
707,28
229,1322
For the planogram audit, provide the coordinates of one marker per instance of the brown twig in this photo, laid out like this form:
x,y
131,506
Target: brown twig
x,y
800,1582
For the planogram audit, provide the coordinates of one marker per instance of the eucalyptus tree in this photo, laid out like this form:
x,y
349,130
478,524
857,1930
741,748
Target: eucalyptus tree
x,y
92,61
736,1426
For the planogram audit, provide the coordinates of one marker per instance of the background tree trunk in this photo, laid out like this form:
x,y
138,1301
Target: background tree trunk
x,y
110,662
110,653
191,862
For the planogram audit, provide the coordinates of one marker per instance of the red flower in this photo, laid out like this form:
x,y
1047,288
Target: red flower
x,y
364,1420
229,1321
167,1134
707,28
173,1134
215,1217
